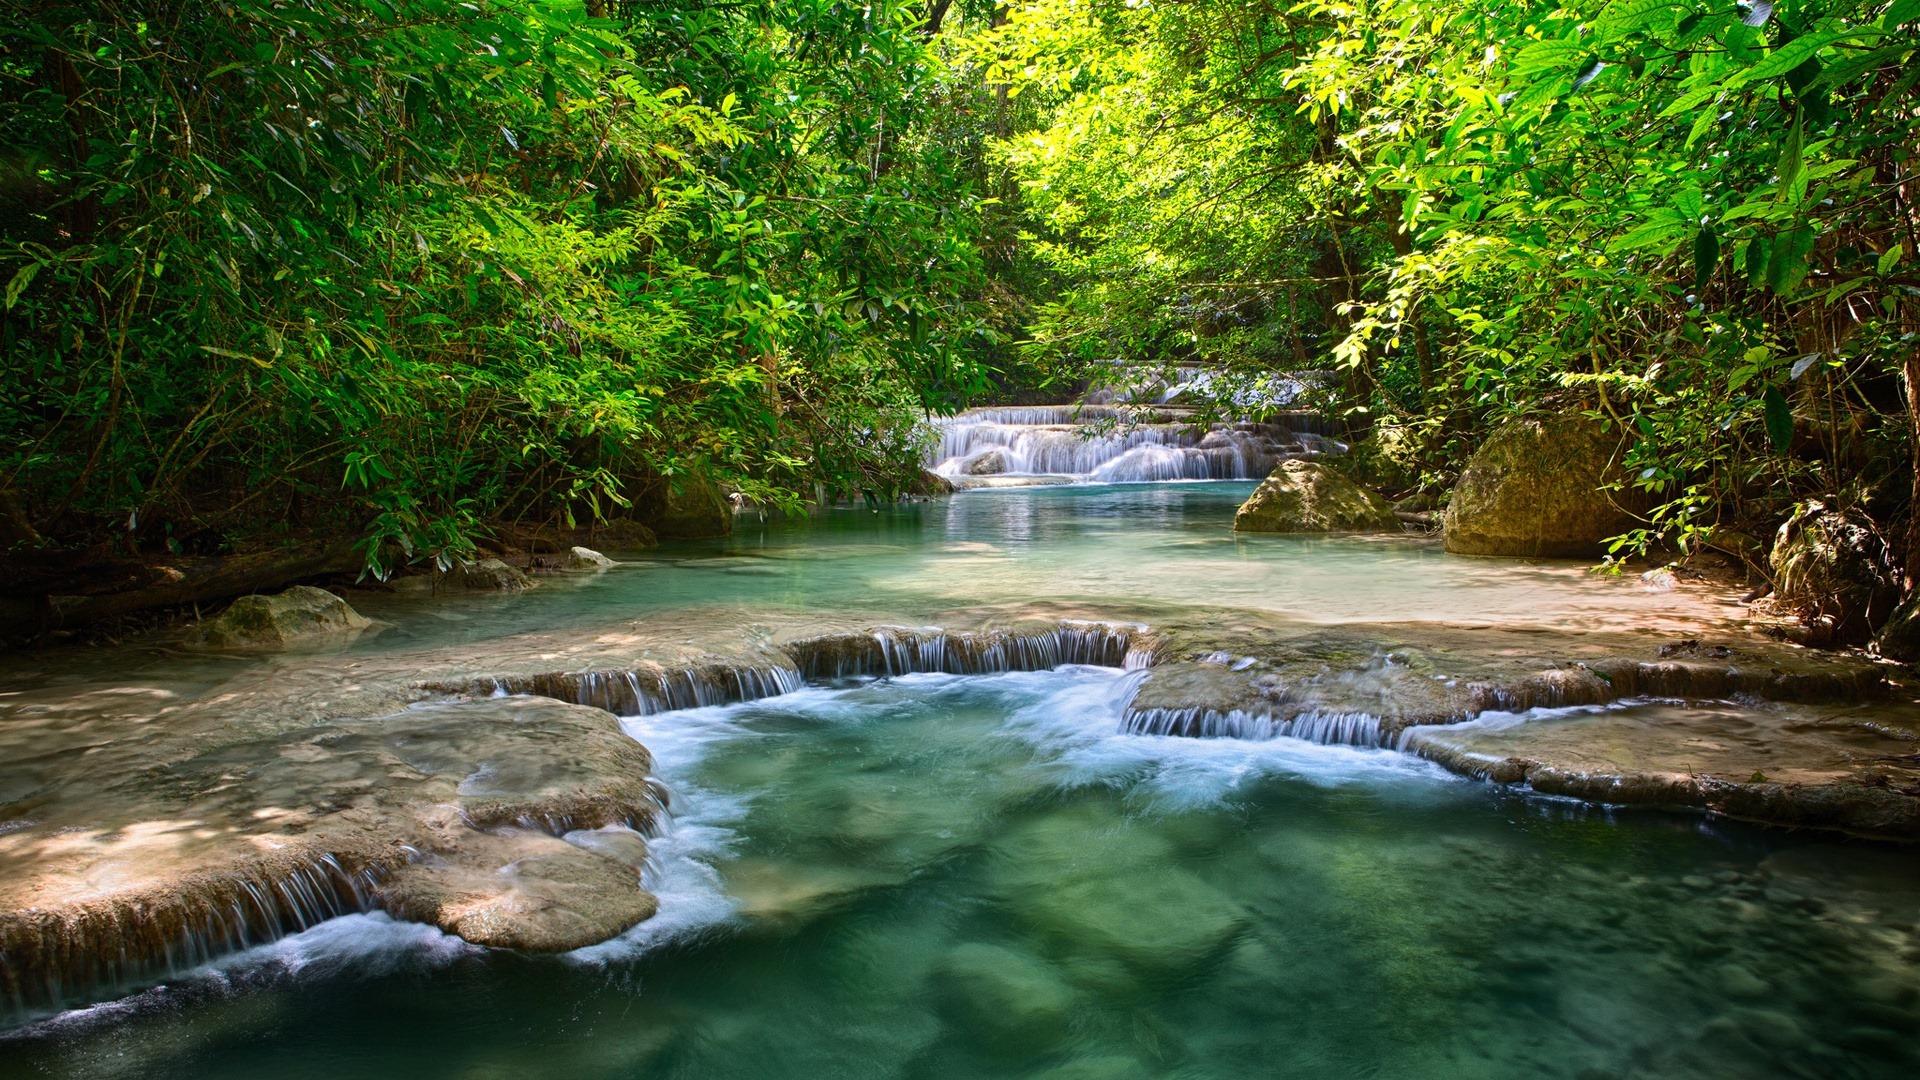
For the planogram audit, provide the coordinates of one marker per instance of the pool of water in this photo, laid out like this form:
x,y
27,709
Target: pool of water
x,y
1118,546
942,876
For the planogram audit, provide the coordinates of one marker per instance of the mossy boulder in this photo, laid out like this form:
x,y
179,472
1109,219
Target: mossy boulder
x,y
1899,639
622,534
1306,496
299,612
693,508
930,483
1836,574
491,575
1534,489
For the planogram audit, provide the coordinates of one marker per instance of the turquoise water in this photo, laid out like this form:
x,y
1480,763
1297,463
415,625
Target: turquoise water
x,y
960,877
1118,546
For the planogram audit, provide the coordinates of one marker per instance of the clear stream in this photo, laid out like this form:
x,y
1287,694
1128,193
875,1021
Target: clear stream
x,y
979,876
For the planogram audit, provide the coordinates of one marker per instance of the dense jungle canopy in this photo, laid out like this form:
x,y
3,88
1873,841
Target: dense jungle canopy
x,y
403,271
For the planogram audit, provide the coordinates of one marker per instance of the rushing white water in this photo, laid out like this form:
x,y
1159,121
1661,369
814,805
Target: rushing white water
x,y
1058,441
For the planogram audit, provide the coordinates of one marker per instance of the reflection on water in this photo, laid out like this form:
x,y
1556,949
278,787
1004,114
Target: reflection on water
x,y
961,877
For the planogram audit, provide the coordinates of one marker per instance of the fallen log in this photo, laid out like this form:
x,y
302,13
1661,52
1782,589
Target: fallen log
x,y
55,596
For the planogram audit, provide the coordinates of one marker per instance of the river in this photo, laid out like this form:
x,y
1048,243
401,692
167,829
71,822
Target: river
x,y
937,875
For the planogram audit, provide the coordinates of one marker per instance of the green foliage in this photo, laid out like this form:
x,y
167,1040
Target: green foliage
x,y
1689,216
404,269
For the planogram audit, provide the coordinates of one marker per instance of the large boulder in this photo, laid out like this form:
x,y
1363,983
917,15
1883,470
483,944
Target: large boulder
x,y
1306,496
1900,638
582,560
491,575
693,509
300,612
986,463
623,534
1533,490
930,483
1835,573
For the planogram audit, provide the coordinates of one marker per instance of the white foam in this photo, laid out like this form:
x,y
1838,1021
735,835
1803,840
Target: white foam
x,y
1080,727
361,945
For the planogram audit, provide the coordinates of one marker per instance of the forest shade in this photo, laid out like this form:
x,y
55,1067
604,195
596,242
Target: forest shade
x,y
412,269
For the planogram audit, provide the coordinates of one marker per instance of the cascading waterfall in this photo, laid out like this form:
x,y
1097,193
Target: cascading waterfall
x,y
644,693
1330,729
895,650
1056,441
880,652
177,934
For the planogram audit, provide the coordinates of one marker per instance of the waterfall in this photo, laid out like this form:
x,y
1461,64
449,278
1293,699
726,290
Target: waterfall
x,y
1332,729
1054,441
50,961
881,651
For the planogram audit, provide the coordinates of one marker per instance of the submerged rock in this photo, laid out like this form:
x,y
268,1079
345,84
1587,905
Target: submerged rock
x,y
585,560
299,612
1534,490
491,575
1306,496
1014,994
1162,921
1835,573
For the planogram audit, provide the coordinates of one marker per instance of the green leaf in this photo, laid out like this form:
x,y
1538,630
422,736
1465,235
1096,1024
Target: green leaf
x,y
1706,255
1625,16
1547,56
1899,12
1779,417
1741,376
1790,160
1889,258
21,279
1787,265
1793,54
1758,252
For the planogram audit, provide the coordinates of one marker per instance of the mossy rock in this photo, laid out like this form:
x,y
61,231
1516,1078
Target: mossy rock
x,y
1836,573
1534,490
693,508
1306,496
491,575
299,612
622,534
1900,638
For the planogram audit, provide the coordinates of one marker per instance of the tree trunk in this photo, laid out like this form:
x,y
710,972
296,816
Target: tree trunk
x,y
60,589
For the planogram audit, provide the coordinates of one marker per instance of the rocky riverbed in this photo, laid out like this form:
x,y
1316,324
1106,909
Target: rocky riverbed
x,y
187,805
